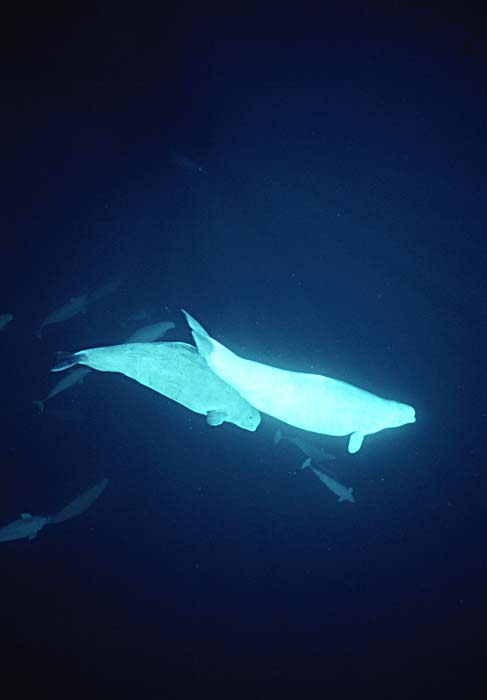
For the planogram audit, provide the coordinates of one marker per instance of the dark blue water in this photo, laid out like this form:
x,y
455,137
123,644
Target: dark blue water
x,y
337,226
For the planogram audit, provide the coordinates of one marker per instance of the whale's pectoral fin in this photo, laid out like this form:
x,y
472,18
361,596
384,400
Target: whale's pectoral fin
x,y
355,442
214,418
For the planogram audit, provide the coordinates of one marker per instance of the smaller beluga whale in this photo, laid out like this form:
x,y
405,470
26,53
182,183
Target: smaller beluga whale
x,y
175,370
27,526
344,493
76,305
308,401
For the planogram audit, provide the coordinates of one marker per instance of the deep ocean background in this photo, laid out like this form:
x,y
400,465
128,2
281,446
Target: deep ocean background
x,y
338,226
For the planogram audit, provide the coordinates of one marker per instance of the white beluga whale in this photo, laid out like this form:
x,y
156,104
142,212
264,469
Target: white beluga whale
x,y
175,370
26,526
308,401
75,306
344,493
76,376
81,503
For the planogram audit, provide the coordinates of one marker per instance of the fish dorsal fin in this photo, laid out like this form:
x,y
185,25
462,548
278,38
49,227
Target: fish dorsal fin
x,y
25,516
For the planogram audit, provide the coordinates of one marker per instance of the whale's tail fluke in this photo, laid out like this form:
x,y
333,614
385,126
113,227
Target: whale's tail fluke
x,y
200,335
65,360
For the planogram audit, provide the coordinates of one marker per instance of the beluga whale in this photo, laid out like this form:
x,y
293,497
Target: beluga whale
x,y
344,493
76,305
175,370
26,526
308,401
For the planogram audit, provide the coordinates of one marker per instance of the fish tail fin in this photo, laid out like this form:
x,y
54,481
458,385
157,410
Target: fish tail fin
x,y
65,360
277,436
306,463
200,335
40,404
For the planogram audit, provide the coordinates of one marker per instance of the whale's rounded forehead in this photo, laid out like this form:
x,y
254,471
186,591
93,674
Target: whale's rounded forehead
x,y
409,413
404,413
250,419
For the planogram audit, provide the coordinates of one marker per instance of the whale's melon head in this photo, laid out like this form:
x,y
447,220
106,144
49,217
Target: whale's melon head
x,y
400,414
249,418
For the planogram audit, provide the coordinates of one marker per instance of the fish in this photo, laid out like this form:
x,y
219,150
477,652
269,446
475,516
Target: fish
x,y
315,452
76,376
5,320
80,504
311,402
344,493
149,334
73,307
26,526
175,370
